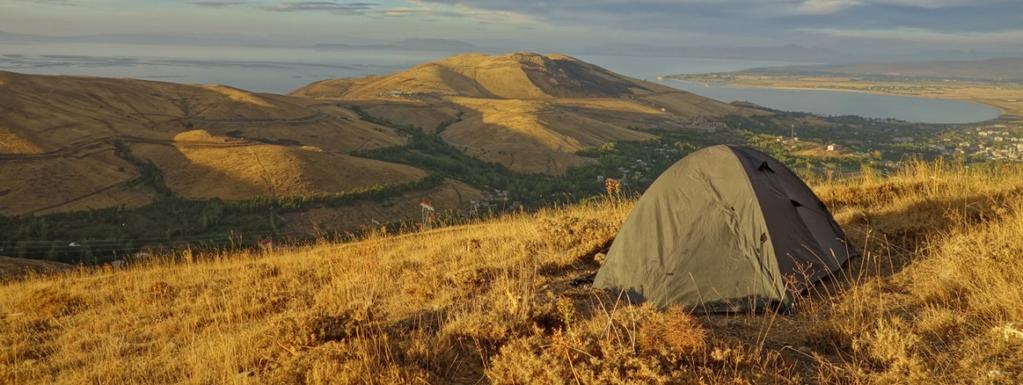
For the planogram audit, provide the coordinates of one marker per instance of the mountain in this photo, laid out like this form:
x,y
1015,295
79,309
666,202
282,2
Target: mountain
x,y
415,44
74,143
125,165
527,111
999,69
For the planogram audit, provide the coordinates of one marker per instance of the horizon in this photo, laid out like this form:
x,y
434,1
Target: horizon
x,y
809,30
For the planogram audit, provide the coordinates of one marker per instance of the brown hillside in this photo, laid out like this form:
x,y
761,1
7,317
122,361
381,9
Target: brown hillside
x,y
58,137
265,170
528,111
934,299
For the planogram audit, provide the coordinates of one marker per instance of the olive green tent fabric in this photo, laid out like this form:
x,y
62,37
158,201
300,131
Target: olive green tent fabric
x,y
726,228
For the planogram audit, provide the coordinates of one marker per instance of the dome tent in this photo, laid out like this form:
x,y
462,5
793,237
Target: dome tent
x,y
725,229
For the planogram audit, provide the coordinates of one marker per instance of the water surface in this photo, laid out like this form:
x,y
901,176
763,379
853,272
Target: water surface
x,y
820,102
281,70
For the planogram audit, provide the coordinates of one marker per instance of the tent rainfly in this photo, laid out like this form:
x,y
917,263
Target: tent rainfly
x,y
725,229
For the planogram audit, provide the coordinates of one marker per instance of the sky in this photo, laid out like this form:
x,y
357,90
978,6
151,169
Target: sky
x,y
875,26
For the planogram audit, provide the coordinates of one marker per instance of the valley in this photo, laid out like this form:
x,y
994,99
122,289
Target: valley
x,y
123,167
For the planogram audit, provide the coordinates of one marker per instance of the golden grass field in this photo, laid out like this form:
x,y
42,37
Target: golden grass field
x,y
937,298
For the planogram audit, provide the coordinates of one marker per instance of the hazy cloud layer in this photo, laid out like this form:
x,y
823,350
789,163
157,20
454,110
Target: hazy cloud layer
x,y
838,25
959,20
217,4
343,8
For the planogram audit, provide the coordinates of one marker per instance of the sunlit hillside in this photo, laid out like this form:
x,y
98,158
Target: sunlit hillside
x,y
76,143
527,111
936,299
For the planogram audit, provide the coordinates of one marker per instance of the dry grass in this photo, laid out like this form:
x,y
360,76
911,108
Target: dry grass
x,y
935,300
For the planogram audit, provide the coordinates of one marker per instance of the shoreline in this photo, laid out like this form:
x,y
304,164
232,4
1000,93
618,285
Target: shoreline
x,y
1002,113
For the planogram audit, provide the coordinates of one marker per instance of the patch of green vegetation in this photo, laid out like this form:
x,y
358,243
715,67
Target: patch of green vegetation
x,y
447,123
432,153
149,174
636,163
366,116
883,139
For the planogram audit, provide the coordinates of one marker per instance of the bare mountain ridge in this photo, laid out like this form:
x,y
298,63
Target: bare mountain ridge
x,y
519,75
528,111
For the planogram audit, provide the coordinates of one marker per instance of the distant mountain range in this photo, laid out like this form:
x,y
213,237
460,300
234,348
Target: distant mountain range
x,y
1001,69
791,52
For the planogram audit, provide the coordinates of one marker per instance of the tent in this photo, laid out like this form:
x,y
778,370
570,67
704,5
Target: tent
x,y
725,229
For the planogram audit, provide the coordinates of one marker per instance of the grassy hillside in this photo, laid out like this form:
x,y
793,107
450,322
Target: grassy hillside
x,y
526,111
59,139
936,299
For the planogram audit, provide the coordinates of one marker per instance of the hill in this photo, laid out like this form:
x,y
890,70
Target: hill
x,y
529,112
119,165
935,299
66,140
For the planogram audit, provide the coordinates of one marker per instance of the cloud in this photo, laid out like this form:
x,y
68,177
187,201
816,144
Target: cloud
x,y
334,7
218,3
934,4
921,35
817,7
419,12
482,16
52,2
763,8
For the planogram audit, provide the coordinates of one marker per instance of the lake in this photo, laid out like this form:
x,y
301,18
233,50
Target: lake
x,y
280,70
821,102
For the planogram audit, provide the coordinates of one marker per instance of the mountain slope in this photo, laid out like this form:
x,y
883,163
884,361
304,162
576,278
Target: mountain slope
x,y
528,111
68,143
934,300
